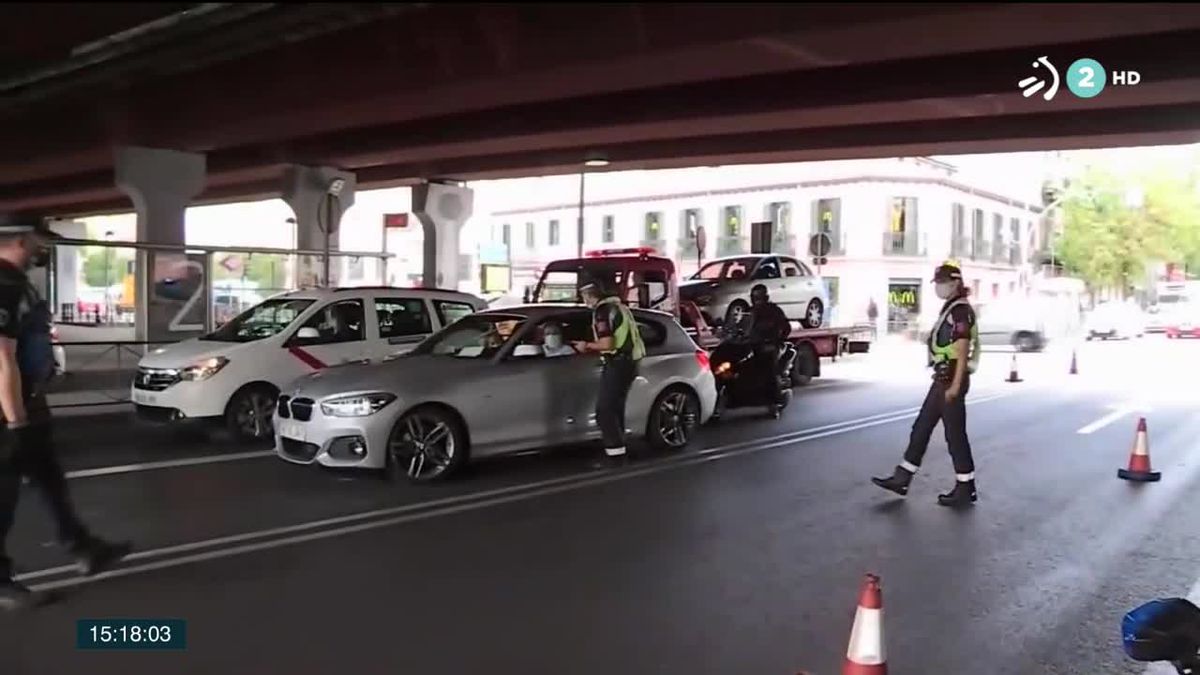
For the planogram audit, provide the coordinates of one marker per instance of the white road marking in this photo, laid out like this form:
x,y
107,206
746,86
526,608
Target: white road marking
x,y
461,503
1118,411
168,464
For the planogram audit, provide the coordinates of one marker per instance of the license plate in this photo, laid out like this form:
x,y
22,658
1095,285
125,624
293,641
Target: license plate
x,y
143,398
291,430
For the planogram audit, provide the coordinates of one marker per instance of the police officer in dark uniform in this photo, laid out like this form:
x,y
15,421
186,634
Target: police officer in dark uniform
x,y
26,444
619,343
954,354
768,328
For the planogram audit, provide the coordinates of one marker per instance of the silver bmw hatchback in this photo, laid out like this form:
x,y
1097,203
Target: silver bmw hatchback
x,y
490,384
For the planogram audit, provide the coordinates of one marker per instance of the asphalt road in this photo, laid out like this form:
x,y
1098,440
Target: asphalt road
x,y
742,555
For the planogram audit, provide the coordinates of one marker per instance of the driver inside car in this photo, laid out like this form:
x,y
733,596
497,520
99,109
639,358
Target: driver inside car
x,y
552,341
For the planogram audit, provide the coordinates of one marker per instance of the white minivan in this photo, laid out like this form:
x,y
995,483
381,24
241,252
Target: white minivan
x,y
234,374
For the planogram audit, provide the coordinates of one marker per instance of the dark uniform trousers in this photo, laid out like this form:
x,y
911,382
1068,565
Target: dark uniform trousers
x,y
29,452
616,377
953,417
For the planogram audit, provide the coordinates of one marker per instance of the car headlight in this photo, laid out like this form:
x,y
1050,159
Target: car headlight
x,y
356,406
203,370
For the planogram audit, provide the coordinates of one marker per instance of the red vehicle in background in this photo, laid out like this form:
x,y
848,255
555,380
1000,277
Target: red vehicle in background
x,y
648,280
1183,323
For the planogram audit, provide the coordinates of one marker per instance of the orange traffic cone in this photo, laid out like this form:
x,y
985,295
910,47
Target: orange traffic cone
x,y
1074,365
1139,459
1012,371
865,655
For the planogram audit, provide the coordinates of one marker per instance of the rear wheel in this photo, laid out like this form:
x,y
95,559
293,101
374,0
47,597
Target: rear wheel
x,y
673,418
250,413
805,365
427,444
814,314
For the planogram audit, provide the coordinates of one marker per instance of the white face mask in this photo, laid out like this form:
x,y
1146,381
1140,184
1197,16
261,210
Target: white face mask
x,y
554,340
945,289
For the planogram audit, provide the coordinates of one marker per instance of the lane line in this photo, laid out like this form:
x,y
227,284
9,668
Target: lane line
x,y
461,504
1104,421
167,464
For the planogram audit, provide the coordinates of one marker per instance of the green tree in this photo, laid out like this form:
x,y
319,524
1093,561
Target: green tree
x,y
102,263
1108,238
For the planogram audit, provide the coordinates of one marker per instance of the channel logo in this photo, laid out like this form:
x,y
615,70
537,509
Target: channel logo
x,y
1086,78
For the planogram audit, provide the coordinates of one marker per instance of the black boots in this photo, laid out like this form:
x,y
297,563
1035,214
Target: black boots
x,y
94,556
963,494
898,482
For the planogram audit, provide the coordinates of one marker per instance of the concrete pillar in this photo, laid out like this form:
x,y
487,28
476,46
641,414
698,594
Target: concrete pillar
x,y
318,196
443,209
161,184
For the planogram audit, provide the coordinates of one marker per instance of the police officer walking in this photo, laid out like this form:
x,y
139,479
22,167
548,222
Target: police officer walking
x,y
619,343
953,353
26,444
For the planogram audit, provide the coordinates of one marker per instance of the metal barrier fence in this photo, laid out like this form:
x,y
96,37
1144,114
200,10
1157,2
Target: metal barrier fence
x,y
99,370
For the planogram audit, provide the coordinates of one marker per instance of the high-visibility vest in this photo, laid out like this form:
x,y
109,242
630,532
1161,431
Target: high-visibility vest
x,y
945,353
626,332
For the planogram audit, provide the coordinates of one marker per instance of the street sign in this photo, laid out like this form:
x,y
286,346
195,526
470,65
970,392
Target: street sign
x,y
820,260
819,245
395,221
493,254
701,240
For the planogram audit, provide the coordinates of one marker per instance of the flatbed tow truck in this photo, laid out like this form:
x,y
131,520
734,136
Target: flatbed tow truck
x,y
647,280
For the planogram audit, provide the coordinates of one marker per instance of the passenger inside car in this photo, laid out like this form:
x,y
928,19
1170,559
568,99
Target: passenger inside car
x,y
552,341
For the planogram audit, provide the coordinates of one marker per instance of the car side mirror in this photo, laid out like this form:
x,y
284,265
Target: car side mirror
x,y
526,351
308,333
1163,630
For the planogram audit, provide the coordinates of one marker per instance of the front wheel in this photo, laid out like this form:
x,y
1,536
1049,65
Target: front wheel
x,y
250,413
672,419
805,365
737,310
427,444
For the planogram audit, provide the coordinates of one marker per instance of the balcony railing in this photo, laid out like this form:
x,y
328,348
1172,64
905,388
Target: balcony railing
x,y
982,250
659,245
727,246
904,243
999,251
960,247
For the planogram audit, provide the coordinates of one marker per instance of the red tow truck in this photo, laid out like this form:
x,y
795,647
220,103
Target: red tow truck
x,y
648,280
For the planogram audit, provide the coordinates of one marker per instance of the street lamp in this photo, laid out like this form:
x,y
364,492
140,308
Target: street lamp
x,y
108,237
594,160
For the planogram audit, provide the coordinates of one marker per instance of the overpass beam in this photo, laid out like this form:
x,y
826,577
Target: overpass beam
x,y
319,196
161,184
443,208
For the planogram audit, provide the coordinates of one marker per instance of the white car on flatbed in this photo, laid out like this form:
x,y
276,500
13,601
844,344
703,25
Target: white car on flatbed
x,y
233,375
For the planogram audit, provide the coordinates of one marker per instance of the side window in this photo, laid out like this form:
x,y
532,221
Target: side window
x,y
769,269
792,269
335,323
573,327
449,312
402,318
653,333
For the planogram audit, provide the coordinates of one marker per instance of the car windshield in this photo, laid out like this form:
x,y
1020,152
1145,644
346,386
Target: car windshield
x,y
737,268
261,321
473,337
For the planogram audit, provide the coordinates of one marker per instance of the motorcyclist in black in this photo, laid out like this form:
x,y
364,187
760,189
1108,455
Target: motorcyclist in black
x,y
769,327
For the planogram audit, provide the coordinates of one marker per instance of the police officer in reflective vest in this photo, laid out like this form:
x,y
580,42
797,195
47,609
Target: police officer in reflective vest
x,y
953,353
26,445
619,343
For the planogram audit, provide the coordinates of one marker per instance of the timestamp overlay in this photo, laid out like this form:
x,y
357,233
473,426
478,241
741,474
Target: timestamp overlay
x,y
131,634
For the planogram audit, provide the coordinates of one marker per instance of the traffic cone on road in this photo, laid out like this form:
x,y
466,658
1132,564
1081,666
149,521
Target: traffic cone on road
x,y
1012,371
1139,458
1074,364
865,655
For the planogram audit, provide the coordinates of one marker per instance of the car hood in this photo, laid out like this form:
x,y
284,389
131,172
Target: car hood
x,y
401,376
696,288
184,354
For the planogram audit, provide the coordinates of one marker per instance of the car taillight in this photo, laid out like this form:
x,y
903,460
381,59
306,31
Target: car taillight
x,y
702,359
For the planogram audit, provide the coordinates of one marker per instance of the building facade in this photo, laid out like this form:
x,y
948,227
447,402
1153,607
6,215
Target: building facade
x,y
888,223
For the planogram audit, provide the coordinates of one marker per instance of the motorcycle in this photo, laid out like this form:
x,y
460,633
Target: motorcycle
x,y
739,380
1164,630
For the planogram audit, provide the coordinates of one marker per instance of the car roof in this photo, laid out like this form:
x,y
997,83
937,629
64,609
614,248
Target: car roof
x,y
539,310
743,256
353,291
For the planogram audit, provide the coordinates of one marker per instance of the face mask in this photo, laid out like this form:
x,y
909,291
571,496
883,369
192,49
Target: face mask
x,y
945,289
554,340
